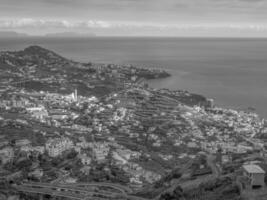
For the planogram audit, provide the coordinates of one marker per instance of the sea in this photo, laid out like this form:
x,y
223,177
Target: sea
x,y
232,71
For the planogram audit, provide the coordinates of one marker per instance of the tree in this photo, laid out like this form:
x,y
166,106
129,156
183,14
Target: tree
x,y
24,164
72,154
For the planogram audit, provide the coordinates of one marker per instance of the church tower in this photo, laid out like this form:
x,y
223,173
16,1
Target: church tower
x,y
75,95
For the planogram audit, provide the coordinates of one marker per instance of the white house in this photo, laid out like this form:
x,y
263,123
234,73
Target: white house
x,y
255,174
85,159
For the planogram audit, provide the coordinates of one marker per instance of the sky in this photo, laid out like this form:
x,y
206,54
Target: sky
x,y
197,18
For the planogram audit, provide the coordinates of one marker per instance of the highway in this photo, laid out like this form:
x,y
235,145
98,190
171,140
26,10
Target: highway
x,y
65,194
82,186
79,191
121,188
68,188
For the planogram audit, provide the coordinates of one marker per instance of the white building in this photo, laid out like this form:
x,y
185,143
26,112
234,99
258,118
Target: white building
x,y
255,174
35,109
6,154
37,149
100,151
57,146
23,142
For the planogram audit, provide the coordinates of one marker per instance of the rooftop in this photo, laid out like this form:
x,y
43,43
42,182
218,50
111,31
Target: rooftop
x,y
254,169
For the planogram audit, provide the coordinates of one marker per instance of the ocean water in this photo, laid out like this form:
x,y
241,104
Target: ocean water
x,y
231,71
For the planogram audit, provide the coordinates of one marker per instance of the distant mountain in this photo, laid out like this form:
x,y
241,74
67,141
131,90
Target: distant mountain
x,y
70,34
11,34
32,55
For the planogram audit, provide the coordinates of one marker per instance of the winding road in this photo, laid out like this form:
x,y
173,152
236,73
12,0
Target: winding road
x,y
80,191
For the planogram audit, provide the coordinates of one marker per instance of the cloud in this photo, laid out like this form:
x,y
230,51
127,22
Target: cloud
x,y
40,23
165,11
99,24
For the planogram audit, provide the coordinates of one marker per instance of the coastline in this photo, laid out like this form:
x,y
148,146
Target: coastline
x,y
224,69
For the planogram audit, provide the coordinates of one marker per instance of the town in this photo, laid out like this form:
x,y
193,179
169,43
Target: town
x,y
97,131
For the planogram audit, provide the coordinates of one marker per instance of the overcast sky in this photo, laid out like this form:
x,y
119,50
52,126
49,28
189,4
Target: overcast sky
x,y
137,17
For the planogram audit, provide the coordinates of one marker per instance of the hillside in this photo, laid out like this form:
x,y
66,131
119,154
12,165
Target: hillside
x,y
160,144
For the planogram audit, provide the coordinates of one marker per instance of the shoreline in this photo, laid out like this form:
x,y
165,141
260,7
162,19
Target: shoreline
x,y
154,74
